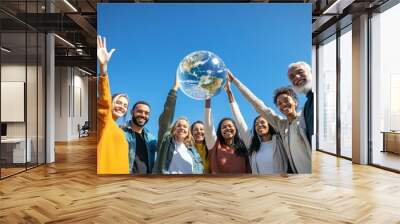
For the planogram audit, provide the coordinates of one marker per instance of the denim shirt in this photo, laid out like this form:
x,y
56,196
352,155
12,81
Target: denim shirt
x,y
198,167
151,146
166,153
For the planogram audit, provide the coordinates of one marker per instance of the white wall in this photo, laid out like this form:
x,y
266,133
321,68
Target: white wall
x,y
71,102
61,104
80,112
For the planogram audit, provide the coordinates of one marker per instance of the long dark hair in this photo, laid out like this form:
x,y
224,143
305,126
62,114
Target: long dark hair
x,y
255,141
240,148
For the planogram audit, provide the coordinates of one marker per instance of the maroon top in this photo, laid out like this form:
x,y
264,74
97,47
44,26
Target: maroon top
x,y
224,160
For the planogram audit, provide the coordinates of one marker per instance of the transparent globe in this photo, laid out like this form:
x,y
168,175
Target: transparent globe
x,y
201,75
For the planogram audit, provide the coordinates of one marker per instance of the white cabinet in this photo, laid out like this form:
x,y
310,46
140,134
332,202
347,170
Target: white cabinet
x,y
17,147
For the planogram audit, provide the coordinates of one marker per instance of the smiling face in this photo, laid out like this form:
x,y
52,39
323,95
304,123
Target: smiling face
x,y
120,107
287,105
228,130
261,126
198,132
180,130
140,114
300,78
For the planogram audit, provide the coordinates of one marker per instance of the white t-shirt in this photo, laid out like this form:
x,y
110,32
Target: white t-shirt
x,y
262,162
182,161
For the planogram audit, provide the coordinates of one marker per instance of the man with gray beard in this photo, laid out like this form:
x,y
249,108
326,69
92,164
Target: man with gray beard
x,y
300,76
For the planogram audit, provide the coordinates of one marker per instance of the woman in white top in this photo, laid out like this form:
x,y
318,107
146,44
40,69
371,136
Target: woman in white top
x,y
263,143
176,153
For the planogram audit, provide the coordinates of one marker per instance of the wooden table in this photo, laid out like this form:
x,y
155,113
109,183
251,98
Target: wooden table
x,y
391,141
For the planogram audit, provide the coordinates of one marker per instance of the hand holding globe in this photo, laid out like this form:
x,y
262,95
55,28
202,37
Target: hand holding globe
x,y
176,84
201,74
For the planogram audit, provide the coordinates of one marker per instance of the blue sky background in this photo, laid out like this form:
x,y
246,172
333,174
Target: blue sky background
x,y
257,42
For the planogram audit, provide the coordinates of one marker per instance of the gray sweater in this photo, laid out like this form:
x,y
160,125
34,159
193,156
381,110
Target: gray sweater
x,y
293,133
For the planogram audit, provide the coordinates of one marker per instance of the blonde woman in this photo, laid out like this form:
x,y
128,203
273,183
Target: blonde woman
x,y
176,153
112,147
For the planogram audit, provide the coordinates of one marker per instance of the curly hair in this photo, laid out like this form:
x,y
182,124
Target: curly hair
x,y
288,90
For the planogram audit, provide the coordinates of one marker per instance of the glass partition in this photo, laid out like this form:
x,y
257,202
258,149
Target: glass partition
x,y
327,95
22,88
346,94
385,89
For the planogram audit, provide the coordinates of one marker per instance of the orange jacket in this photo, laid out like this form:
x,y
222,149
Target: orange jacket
x,y
112,147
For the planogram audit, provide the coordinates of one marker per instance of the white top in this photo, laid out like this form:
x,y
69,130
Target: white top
x,y
210,134
262,162
244,131
182,162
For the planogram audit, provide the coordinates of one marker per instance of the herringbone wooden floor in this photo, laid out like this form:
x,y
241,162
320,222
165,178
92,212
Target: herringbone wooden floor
x,y
70,191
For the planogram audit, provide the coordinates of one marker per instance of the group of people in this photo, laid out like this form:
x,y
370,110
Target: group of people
x,y
274,144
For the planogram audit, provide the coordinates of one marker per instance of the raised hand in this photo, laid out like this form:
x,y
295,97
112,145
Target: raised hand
x,y
208,103
230,76
176,84
227,86
102,54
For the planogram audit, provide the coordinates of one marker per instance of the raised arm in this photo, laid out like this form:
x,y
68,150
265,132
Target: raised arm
x,y
258,104
238,117
209,130
166,117
104,101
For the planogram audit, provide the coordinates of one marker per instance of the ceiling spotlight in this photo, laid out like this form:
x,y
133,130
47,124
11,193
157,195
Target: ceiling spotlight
x,y
65,41
84,71
337,7
70,5
5,50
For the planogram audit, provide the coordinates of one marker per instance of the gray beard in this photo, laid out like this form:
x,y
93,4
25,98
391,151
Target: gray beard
x,y
304,88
